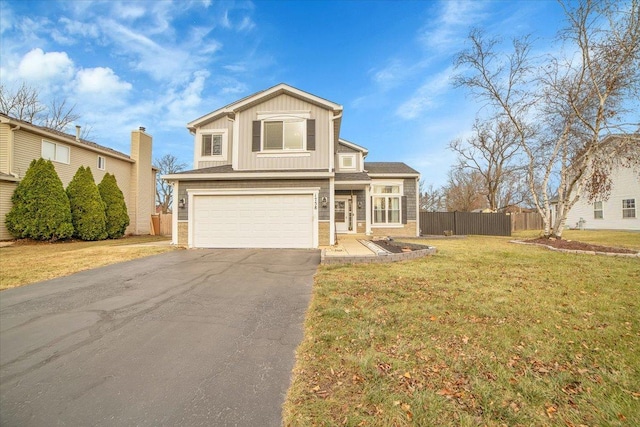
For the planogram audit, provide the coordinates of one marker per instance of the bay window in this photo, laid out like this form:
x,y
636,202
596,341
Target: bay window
x,y
387,204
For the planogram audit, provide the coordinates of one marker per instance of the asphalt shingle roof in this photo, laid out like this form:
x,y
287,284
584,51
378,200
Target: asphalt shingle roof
x,y
388,167
68,136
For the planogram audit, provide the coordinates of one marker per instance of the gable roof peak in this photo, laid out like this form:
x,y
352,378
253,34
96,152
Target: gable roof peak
x,y
265,94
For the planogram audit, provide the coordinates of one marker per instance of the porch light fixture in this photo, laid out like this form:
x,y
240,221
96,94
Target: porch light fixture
x,y
181,203
324,201
359,204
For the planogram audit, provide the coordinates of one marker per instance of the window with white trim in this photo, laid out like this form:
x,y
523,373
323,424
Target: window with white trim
x,y
213,144
597,210
347,161
284,134
628,208
55,152
101,162
387,200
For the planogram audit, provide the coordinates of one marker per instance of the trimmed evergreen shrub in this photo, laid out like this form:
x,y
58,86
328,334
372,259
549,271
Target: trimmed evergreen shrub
x,y
115,208
87,207
40,205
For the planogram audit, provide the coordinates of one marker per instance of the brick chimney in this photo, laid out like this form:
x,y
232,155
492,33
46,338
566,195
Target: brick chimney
x,y
143,182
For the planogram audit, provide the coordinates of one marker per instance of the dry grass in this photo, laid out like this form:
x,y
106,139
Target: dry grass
x,y
23,263
483,333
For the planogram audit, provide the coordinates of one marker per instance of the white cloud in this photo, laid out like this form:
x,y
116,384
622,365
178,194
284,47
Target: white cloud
x,y
448,30
426,96
39,66
6,18
102,81
128,10
183,105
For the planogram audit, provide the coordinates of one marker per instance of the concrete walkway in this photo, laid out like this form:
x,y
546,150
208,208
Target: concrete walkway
x,y
348,245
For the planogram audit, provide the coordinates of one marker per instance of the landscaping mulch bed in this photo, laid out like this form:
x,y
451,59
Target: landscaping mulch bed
x,y
579,246
392,247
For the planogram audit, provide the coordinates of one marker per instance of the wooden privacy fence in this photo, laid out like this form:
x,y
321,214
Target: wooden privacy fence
x,y
526,221
161,224
460,223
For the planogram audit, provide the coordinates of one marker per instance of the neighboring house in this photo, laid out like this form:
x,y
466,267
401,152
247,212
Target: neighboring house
x,y
21,142
620,211
271,171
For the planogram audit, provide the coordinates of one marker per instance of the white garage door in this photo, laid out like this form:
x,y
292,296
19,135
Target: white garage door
x,y
253,221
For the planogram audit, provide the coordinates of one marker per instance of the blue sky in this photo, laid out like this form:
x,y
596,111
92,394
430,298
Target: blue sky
x,y
161,64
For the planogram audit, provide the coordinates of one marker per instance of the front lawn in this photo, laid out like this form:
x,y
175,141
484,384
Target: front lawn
x,y
485,332
29,262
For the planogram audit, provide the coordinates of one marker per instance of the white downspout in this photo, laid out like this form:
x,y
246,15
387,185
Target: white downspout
x,y
332,137
175,213
234,142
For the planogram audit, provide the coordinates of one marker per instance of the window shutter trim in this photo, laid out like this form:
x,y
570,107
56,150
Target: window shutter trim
x,y
311,134
404,209
255,135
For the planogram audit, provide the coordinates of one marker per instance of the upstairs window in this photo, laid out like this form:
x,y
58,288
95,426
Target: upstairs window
x,y
55,152
629,208
101,163
284,135
212,145
348,161
597,210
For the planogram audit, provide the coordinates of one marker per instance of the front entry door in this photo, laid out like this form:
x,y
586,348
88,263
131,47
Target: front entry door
x,y
342,214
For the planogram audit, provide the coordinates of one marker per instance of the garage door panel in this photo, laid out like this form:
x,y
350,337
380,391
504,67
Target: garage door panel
x,y
264,221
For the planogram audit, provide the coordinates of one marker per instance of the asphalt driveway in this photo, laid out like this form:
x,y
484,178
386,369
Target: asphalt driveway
x,y
198,337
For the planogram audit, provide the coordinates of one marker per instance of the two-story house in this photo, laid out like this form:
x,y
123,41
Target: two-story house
x,y
21,142
271,171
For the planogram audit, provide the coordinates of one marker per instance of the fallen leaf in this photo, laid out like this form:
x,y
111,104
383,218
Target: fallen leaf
x,y
551,410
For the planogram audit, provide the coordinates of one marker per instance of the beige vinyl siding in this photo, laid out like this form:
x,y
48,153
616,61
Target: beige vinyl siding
x,y
221,123
28,146
323,213
5,133
318,159
6,191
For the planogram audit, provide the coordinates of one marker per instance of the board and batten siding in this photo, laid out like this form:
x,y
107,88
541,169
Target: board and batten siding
x,y
626,185
318,159
221,123
323,213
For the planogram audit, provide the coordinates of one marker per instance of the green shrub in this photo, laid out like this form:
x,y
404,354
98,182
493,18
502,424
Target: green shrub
x,y
115,209
40,205
87,207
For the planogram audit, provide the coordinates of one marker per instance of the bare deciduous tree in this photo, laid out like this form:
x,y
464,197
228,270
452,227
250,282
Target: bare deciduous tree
x,y
431,198
492,151
579,100
166,165
25,104
464,191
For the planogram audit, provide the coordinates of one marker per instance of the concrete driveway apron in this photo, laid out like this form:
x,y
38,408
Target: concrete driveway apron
x,y
198,337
